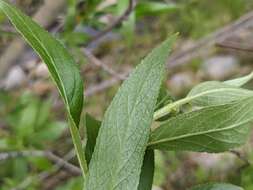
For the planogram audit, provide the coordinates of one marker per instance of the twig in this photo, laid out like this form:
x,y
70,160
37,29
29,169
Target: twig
x,y
234,46
99,63
202,46
63,163
119,20
43,175
8,29
38,153
104,85
240,156
198,49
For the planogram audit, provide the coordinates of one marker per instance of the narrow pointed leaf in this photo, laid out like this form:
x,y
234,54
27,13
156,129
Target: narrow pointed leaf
x,y
147,171
211,129
205,94
240,81
216,93
216,186
61,65
117,159
92,128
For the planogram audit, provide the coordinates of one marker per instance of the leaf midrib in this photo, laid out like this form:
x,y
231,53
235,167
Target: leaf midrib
x,y
199,133
166,109
64,94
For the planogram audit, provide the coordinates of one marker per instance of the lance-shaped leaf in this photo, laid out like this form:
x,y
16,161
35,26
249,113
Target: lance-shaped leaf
x,y
216,93
117,159
61,65
211,129
216,186
240,81
206,94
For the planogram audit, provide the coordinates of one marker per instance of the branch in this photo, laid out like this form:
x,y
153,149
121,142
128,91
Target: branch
x,y
119,20
38,153
101,86
234,46
202,46
99,63
198,49
43,175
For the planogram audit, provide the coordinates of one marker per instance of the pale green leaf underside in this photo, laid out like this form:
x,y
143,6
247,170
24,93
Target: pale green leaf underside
x,y
117,159
216,186
61,65
211,129
215,93
240,81
205,94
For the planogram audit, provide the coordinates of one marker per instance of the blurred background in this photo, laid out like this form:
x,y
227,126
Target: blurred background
x,y
108,38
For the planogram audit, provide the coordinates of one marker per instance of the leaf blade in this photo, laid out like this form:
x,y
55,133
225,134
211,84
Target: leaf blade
x,y
212,129
239,81
216,93
122,138
61,65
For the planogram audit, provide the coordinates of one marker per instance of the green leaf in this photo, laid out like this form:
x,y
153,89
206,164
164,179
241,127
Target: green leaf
x,y
240,81
152,8
61,65
208,93
147,171
92,128
216,186
216,93
122,139
211,129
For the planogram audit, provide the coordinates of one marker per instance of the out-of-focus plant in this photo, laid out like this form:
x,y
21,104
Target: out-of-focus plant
x,y
121,147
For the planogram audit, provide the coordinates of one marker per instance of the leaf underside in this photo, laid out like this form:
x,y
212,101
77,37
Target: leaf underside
x,y
216,93
211,129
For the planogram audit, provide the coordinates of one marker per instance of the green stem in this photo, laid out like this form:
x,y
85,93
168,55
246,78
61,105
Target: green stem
x,y
172,106
79,148
168,108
